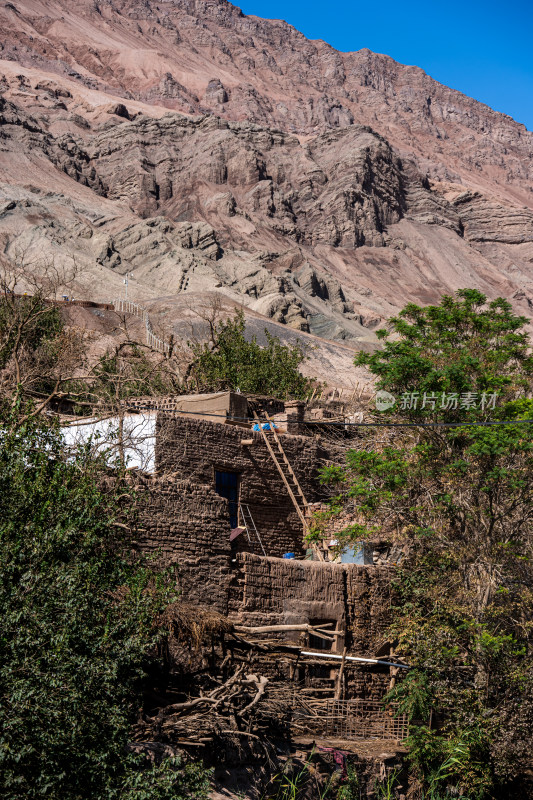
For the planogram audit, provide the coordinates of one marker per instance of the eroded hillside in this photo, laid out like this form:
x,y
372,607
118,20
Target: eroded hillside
x,y
198,149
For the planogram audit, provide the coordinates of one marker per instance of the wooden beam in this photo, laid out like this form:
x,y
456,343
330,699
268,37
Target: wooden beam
x,y
338,687
325,634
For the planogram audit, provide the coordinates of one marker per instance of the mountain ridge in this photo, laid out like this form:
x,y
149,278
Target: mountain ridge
x,y
191,37
326,211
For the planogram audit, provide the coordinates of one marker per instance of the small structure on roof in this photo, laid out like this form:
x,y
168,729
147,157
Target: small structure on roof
x,y
215,406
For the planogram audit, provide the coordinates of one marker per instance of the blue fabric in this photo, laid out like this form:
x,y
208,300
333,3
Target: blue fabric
x,y
265,426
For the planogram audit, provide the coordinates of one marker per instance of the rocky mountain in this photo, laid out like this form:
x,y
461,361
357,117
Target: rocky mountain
x,y
200,149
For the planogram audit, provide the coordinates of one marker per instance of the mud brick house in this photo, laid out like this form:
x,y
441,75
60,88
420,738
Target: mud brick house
x,y
219,509
209,476
217,501
217,492
217,504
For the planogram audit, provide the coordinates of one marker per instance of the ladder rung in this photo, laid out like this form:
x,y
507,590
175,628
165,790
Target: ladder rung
x,y
251,524
286,471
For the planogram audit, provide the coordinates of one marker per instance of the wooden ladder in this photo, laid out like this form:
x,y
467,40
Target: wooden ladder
x,y
288,476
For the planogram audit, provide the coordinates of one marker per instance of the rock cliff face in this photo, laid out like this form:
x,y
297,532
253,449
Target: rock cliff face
x,y
199,56
196,149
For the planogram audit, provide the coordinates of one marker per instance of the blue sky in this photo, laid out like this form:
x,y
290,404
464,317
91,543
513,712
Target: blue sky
x,y
484,49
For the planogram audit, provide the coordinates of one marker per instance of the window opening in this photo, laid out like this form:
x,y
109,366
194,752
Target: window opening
x,y
317,642
227,485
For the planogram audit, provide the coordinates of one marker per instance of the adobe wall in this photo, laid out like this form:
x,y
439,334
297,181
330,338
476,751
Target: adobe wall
x,y
185,524
279,591
275,591
196,448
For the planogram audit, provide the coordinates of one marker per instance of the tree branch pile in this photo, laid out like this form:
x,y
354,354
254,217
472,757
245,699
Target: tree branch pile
x,y
216,690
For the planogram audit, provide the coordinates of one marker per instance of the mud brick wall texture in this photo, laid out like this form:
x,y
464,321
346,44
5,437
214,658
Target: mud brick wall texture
x,y
274,591
368,605
197,448
186,525
278,591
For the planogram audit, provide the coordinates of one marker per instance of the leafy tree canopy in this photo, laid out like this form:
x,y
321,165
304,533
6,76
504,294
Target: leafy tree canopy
x,y
462,345
76,630
457,503
231,362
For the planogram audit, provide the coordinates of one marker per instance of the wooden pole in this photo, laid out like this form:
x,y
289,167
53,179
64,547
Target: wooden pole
x,y
338,688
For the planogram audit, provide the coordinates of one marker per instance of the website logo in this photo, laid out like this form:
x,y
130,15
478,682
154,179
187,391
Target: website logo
x,y
384,400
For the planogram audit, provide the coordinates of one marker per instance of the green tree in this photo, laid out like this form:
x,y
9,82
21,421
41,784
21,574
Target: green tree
x,y
230,361
38,355
76,630
459,501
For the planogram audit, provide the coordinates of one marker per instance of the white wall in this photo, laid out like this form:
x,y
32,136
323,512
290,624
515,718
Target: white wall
x,y
138,437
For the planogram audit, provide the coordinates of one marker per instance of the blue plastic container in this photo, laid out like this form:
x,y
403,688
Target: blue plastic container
x,y
288,555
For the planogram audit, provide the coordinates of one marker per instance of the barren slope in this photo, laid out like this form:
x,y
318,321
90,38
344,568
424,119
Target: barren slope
x,y
322,216
204,55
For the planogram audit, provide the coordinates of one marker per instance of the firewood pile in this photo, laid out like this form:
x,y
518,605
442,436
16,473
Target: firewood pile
x,y
215,688
237,707
230,687
215,692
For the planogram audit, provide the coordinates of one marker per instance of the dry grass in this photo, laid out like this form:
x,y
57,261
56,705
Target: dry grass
x,y
194,626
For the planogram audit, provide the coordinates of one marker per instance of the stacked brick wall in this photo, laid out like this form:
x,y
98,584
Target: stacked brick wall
x,y
217,404
367,604
262,404
278,591
196,448
273,591
160,403
185,524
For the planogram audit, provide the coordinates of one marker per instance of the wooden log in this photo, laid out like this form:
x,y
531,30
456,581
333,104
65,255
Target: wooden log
x,y
281,628
338,688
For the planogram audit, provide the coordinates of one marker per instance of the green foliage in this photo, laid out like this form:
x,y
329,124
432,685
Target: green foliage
x,y
351,788
386,788
234,362
40,357
461,345
453,766
288,785
76,630
171,780
32,343
459,501
300,781
42,324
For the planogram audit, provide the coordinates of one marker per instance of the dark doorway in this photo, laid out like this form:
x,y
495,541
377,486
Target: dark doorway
x,y
227,485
